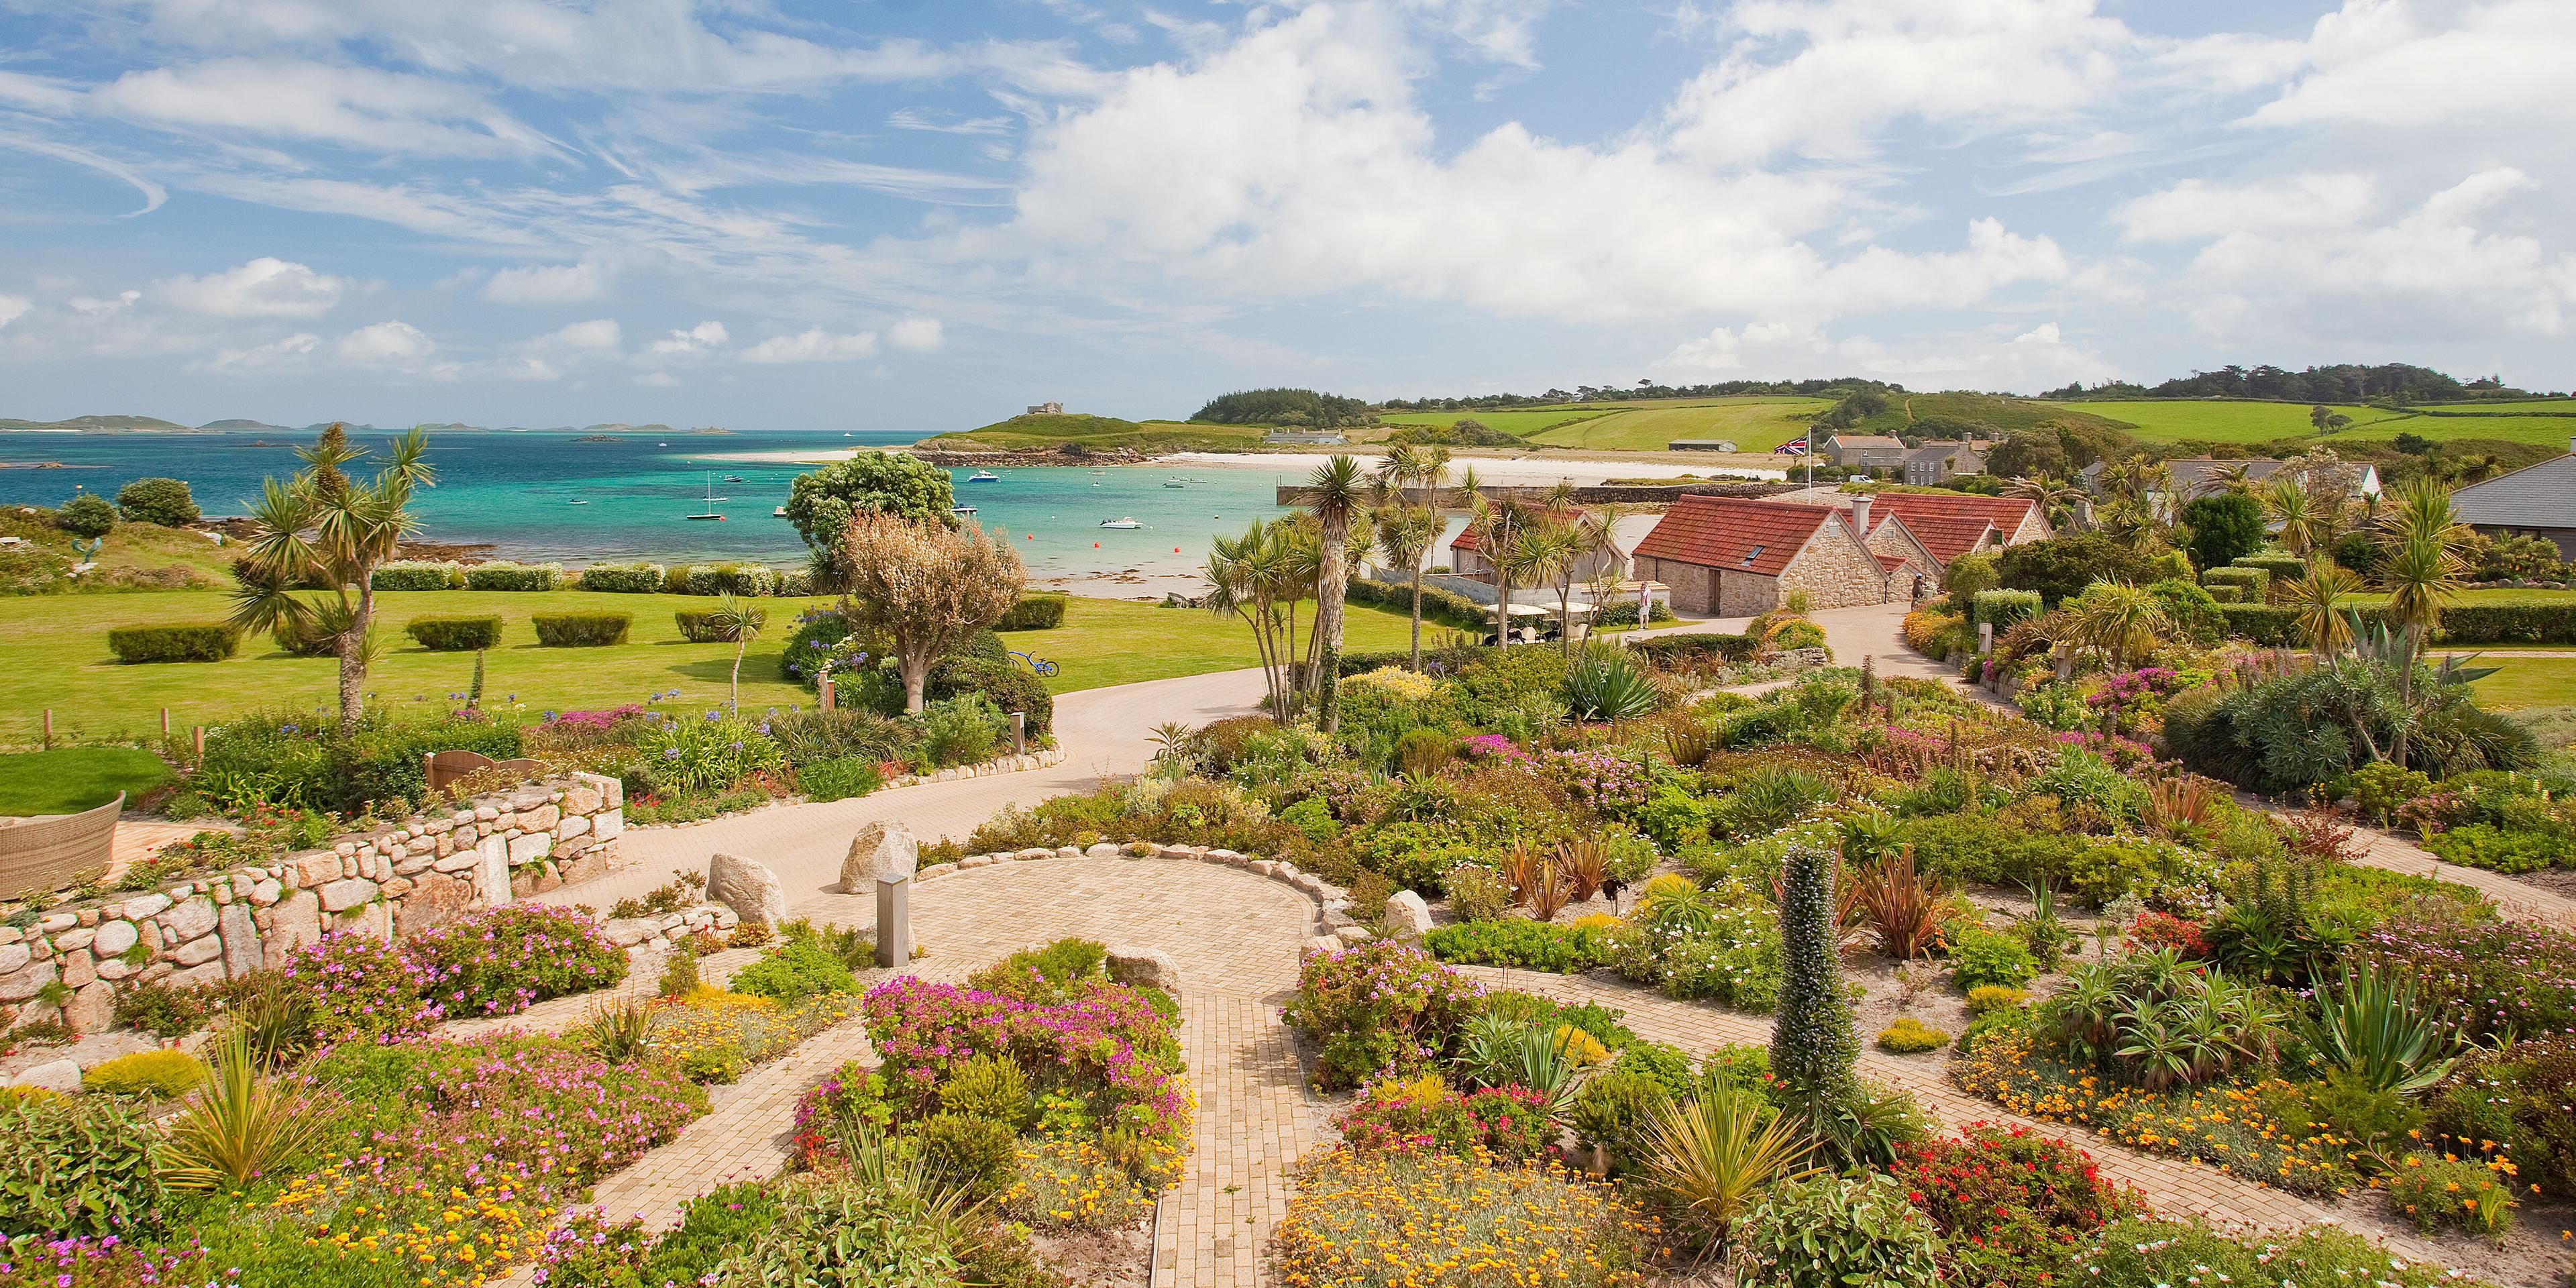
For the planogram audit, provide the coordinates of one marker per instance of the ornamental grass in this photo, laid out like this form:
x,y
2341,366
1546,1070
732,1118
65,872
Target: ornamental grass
x,y
2222,1124
1426,1219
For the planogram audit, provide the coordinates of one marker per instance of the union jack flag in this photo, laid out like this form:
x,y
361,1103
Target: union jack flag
x,y
1794,447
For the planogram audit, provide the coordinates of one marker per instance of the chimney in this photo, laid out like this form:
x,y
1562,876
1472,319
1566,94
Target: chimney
x,y
1860,515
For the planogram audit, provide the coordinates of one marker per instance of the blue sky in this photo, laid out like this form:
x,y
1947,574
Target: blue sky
x,y
923,214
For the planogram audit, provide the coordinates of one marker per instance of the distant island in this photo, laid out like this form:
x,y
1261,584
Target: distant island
x,y
599,438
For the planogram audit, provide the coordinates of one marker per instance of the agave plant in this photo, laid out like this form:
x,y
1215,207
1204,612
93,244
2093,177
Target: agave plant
x,y
1607,686
240,1125
2374,1024
1711,1153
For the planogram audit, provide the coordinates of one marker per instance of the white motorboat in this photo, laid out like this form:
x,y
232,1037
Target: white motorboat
x,y
983,476
1120,523
779,513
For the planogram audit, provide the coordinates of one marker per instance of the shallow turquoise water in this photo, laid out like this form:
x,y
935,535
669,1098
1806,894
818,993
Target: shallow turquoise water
x,y
517,493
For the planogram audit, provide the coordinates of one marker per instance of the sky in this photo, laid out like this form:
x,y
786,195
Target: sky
x,y
927,214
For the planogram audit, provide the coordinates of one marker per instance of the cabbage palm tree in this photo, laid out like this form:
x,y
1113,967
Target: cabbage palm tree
x,y
1335,492
322,530
2121,619
2320,598
1406,533
2295,514
2421,571
737,623
2059,501
1251,574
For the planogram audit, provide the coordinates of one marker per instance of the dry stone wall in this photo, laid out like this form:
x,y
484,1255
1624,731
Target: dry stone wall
x,y
399,879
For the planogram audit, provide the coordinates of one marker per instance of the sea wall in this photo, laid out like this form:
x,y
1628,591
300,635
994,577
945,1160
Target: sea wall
x,y
398,879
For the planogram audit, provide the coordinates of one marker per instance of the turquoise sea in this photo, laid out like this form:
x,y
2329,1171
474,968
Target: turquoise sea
x,y
518,493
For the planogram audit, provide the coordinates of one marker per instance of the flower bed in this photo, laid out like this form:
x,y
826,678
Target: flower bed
x,y
1428,1219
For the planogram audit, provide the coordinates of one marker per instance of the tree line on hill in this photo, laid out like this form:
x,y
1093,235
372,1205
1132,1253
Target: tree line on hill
x,y
2390,382
1835,387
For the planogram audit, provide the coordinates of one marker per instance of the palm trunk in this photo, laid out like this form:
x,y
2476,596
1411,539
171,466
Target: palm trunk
x,y
1417,615
739,646
353,655
1332,584
1502,607
2405,696
1565,617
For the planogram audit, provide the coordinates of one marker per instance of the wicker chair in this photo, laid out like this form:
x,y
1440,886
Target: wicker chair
x,y
42,854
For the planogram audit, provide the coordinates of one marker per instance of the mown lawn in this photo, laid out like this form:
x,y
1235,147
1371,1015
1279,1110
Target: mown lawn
x,y
53,654
2528,682
1756,425
68,780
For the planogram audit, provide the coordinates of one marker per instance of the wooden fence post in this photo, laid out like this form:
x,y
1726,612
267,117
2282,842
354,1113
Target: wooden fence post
x,y
49,728
200,740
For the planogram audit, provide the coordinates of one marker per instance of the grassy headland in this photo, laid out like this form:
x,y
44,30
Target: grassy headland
x,y
1096,433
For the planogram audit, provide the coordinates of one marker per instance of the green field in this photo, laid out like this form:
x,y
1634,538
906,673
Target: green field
x,y
2228,421
1757,424
55,647
68,780
1518,423
1100,433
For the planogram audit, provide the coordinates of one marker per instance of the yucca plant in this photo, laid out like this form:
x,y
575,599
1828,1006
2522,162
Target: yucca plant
x,y
1711,1153
1901,906
241,1126
619,1034
1608,687
2374,1024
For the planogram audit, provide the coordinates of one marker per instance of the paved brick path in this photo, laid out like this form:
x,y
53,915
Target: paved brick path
x,y
2514,900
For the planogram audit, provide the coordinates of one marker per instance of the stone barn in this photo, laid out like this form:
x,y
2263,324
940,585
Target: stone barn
x,y
1735,556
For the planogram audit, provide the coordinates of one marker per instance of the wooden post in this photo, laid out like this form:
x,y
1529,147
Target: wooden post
x,y
165,724
1019,733
49,728
825,688
200,738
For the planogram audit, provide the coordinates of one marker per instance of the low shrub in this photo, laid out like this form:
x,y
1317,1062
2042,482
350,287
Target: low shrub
x,y
1478,892
975,1152
2507,850
175,642
73,1165
1038,611
163,501
513,576
2454,1194
2143,1252
1988,998
794,971
1476,1224
701,626
2012,1206
1503,1123
719,578
1517,942
163,1074
1069,1183
501,961
2004,608
304,639
1980,957
1377,1006
623,579
838,779
582,630
163,1011
1829,1232
1910,1036
454,634
2252,585
418,574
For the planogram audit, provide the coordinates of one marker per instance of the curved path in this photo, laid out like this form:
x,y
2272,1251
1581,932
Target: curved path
x,y
1103,732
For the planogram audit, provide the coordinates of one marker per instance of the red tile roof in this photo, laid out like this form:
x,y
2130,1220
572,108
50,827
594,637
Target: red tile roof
x,y
1889,562
1735,534
2005,512
1946,536
1466,539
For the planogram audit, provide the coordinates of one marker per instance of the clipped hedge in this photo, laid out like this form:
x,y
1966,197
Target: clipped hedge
x,y
1437,661
623,579
1042,611
1684,648
582,630
455,634
2280,567
716,579
698,626
2252,585
2005,607
175,642
513,576
418,574
306,640
1447,607
2226,594
2510,623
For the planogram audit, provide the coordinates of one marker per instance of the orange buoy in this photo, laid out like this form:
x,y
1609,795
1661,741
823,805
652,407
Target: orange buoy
x,y
1095,545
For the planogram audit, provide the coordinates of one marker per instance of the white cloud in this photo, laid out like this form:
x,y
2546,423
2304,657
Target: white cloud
x,y
657,380
814,345
1990,358
917,335
697,339
392,343
288,352
266,287
14,307
599,335
907,118
547,284
2197,209
2413,63
351,106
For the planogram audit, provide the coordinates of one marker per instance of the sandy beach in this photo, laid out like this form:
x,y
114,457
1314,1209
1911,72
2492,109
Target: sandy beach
x,y
1510,471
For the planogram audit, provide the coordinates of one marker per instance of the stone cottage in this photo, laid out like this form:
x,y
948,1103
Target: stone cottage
x,y
1938,527
1735,556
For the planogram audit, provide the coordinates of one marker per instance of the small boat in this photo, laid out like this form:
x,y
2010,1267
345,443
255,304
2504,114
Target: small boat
x,y
983,476
961,509
661,444
712,498
733,478
576,503
779,513
1172,485
1120,523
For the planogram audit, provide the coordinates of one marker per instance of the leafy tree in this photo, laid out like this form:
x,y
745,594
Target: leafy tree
x,y
2225,527
1813,1043
822,502
1283,407
2062,567
322,530
1968,574
166,502
87,515
928,586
